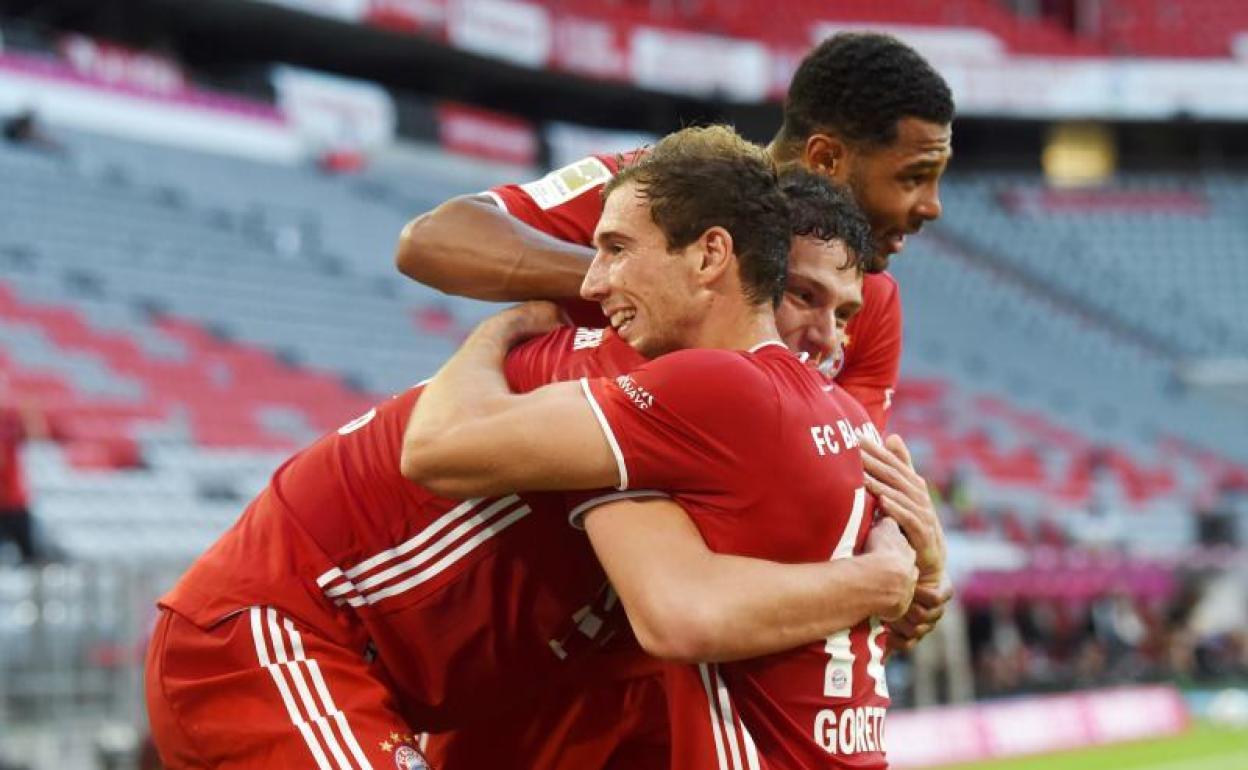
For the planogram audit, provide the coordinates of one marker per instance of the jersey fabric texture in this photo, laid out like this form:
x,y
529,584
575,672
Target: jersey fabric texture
x,y
459,610
762,453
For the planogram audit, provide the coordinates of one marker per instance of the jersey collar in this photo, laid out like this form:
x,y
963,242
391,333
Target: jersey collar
x,y
765,344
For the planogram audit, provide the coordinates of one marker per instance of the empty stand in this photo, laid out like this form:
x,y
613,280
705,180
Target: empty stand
x,y
187,320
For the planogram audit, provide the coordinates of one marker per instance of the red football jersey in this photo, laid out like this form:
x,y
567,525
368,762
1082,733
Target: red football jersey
x,y
567,203
469,607
763,454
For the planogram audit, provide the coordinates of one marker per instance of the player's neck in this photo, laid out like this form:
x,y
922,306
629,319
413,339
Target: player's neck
x,y
737,326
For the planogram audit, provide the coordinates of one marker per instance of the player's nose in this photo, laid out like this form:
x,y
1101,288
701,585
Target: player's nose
x,y
594,287
929,207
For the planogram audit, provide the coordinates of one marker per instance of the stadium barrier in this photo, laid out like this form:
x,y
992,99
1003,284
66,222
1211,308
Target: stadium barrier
x,y
1032,725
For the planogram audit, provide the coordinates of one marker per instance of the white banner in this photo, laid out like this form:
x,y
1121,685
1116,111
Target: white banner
x,y
62,95
334,113
702,65
504,29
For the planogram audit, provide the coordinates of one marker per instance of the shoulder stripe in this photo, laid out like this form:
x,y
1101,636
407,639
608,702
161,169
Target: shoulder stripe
x,y
440,566
421,558
420,539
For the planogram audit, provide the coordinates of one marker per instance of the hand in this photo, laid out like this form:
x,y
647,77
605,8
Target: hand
x,y
521,322
904,497
889,549
920,619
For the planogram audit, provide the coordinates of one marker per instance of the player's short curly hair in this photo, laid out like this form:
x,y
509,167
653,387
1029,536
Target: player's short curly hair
x,y
857,86
703,177
824,210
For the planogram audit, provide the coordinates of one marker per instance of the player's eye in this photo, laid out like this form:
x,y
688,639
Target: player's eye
x,y
802,296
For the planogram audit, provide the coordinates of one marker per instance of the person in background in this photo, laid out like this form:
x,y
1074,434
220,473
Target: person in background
x,y
20,421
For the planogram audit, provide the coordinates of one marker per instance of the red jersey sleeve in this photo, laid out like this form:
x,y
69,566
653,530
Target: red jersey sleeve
x,y
566,203
873,349
534,363
686,420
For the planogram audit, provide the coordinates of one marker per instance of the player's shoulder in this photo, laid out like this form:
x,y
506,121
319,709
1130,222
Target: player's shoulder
x,y
880,286
709,376
854,411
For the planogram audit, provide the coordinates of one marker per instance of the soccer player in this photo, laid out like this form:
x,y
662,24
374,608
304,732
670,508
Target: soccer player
x,y
761,451
865,110
349,608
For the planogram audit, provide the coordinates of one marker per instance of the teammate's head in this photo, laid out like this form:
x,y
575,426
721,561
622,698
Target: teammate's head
x,y
870,112
831,243
697,224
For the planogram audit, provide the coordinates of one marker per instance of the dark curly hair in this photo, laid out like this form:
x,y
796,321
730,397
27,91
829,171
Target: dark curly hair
x,y
858,85
824,210
703,177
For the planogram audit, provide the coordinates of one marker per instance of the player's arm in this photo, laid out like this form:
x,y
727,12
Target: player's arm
x,y
688,603
470,247
470,436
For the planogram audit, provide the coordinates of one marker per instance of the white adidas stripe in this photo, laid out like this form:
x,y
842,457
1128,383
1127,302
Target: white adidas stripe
x,y
321,709
725,725
452,557
258,635
403,548
338,585
327,700
703,669
727,718
437,547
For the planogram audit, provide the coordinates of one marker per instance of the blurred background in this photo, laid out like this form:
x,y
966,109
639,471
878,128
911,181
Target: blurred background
x,y
199,203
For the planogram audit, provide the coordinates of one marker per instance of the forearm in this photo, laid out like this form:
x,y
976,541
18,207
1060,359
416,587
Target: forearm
x,y
757,607
470,436
470,384
471,248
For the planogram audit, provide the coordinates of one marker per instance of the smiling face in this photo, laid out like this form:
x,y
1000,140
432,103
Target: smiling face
x,y
649,294
821,295
898,185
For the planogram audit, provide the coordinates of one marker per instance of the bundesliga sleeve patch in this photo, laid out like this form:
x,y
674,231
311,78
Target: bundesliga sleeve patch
x,y
564,184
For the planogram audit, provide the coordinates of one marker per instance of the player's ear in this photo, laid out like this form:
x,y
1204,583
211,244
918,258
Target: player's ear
x,y
826,154
717,254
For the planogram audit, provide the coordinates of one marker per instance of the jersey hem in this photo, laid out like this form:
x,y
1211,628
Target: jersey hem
x,y
576,516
